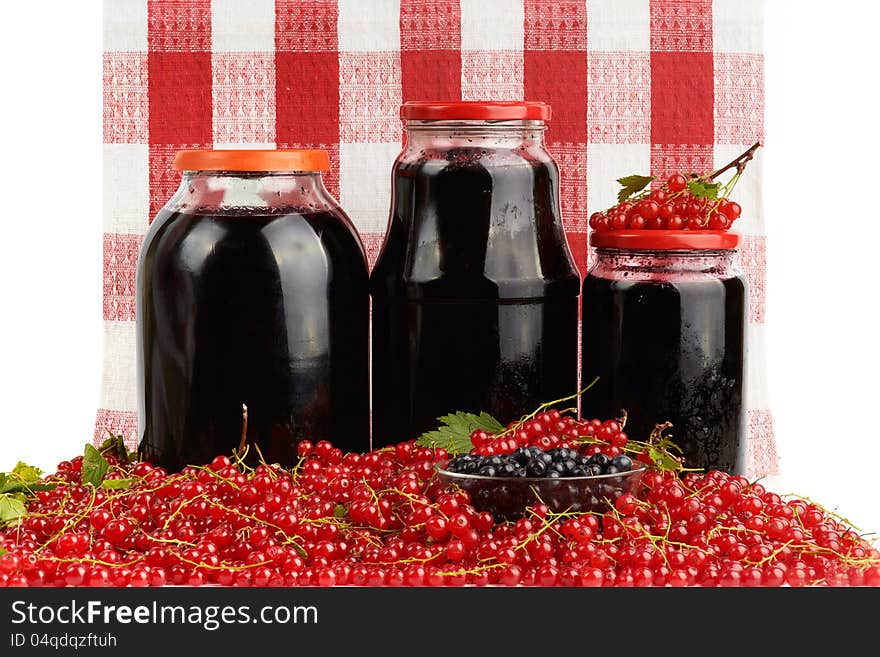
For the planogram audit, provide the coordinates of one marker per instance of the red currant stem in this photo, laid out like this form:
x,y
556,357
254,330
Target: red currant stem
x,y
287,538
240,456
739,162
410,560
371,540
543,407
217,475
845,558
409,496
797,516
470,571
222,566
180,507
95,562
370,490
718,529
375,529
170,541
546,522
636,447
823,509
71,522
272,474
294,471
772,555
727,187
662,540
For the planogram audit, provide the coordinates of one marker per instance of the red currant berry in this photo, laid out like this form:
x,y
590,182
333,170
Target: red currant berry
x,y
676,183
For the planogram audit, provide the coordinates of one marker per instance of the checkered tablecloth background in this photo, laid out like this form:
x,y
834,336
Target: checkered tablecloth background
x,y
636,86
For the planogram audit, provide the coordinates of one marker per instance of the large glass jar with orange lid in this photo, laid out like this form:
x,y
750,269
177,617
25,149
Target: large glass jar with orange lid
x,y
252,291
664,330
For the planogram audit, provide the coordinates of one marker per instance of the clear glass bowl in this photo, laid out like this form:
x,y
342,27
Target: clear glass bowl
x,y
507,497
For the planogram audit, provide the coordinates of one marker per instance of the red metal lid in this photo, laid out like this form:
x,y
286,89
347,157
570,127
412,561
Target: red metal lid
x,y
480,110
665,240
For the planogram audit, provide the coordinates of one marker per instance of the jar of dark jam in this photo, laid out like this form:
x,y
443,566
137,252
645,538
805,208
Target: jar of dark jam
x,y
664,320
252,291
475,293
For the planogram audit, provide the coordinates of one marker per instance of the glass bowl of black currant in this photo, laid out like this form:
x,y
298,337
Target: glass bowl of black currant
x,y
562,478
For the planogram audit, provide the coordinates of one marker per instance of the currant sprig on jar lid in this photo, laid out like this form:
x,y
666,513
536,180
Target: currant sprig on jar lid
x,y
694,202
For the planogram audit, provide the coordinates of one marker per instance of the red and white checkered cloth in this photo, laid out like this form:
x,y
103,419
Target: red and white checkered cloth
x,y
635,86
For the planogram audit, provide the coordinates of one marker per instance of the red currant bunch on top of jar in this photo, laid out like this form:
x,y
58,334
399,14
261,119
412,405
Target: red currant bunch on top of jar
x,y
681,202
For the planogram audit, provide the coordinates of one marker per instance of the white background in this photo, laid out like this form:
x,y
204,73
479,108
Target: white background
x,y
822,220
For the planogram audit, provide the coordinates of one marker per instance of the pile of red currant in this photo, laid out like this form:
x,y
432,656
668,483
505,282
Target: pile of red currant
x,y
384,519
670,206
551,429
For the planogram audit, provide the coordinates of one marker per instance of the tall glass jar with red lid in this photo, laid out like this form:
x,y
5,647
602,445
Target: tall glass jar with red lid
x,y
252,291
664,330
475,292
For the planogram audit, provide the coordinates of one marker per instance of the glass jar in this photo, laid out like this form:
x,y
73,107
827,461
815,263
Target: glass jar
x,y
475,292
664,321
252,291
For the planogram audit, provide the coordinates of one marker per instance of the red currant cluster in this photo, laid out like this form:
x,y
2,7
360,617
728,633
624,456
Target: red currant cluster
x,y
384,519
552,429
716,530
669,207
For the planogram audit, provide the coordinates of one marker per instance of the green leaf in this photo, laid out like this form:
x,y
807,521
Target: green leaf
x,y
23,479
663,460
116,484
454,432
11,508
2,551
7,486
704,189
26,473
339,511
94,466
116,445
632,185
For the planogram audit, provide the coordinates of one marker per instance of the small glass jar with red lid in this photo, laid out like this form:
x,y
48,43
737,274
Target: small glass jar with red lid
x,y
664,330
475,292
252,292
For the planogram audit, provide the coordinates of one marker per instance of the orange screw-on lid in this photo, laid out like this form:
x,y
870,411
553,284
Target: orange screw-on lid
x,y
252,160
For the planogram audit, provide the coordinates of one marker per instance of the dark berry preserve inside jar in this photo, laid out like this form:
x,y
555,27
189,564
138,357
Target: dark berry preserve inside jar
x,y
664,323
252,291
475,291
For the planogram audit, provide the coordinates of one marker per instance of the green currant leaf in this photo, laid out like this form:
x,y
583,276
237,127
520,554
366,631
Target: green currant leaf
x,y
7,486
26,473
704,189
454,432
116,445
94,466
632,185
339,511
116,484
11,508
23,479
2,551
663,460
